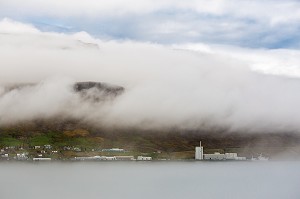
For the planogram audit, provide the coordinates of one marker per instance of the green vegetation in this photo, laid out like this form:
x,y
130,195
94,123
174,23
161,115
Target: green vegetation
x,y
40,140
9,141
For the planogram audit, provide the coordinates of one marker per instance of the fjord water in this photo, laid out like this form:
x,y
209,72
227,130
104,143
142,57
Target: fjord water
x,y
130,180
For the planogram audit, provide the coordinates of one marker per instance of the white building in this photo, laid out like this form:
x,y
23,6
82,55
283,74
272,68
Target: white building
x,y
143,158
83,158
95,158
128,157
199,152
260,158
113,150
231,156
110,158
77,149
21,156
41,159
240,158
47,146
90,158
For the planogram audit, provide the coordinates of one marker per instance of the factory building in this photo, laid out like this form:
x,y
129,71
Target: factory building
x,y
215,156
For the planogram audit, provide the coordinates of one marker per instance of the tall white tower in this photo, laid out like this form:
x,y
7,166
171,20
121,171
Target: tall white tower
x,y
199,152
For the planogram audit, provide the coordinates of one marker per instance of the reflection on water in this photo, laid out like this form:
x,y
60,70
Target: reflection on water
x,y
242,180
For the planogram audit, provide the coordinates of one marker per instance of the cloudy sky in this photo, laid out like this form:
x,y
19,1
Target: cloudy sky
x,y
247,23
189,64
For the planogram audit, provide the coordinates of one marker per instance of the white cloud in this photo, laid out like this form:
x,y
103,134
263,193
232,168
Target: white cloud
x,y
10,26
273,11
246,23
282,62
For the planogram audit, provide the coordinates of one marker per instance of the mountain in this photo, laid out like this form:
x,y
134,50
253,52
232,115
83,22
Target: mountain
x,y
98,90
59,131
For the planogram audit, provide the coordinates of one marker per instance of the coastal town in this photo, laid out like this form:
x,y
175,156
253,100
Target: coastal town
x,y
48,153
71,153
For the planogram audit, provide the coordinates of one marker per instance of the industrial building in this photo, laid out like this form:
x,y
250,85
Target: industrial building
x,y
199,152
199,155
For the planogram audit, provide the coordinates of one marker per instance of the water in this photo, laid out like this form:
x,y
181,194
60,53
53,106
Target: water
x,y
159,180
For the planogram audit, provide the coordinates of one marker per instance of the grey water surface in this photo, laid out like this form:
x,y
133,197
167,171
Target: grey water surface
x,y
153,180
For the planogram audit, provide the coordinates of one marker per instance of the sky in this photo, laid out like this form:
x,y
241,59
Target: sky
x,y
249,23
192,65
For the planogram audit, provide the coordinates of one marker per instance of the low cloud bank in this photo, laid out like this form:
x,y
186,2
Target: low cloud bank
x,y
165,86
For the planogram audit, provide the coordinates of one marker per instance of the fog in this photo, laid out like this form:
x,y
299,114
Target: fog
x,y
208,180
165,86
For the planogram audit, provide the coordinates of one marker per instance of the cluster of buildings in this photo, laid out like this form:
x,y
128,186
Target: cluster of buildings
x,y
47,153
199,155
30,153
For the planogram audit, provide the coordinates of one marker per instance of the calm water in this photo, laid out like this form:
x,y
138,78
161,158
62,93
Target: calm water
x,y
182,180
